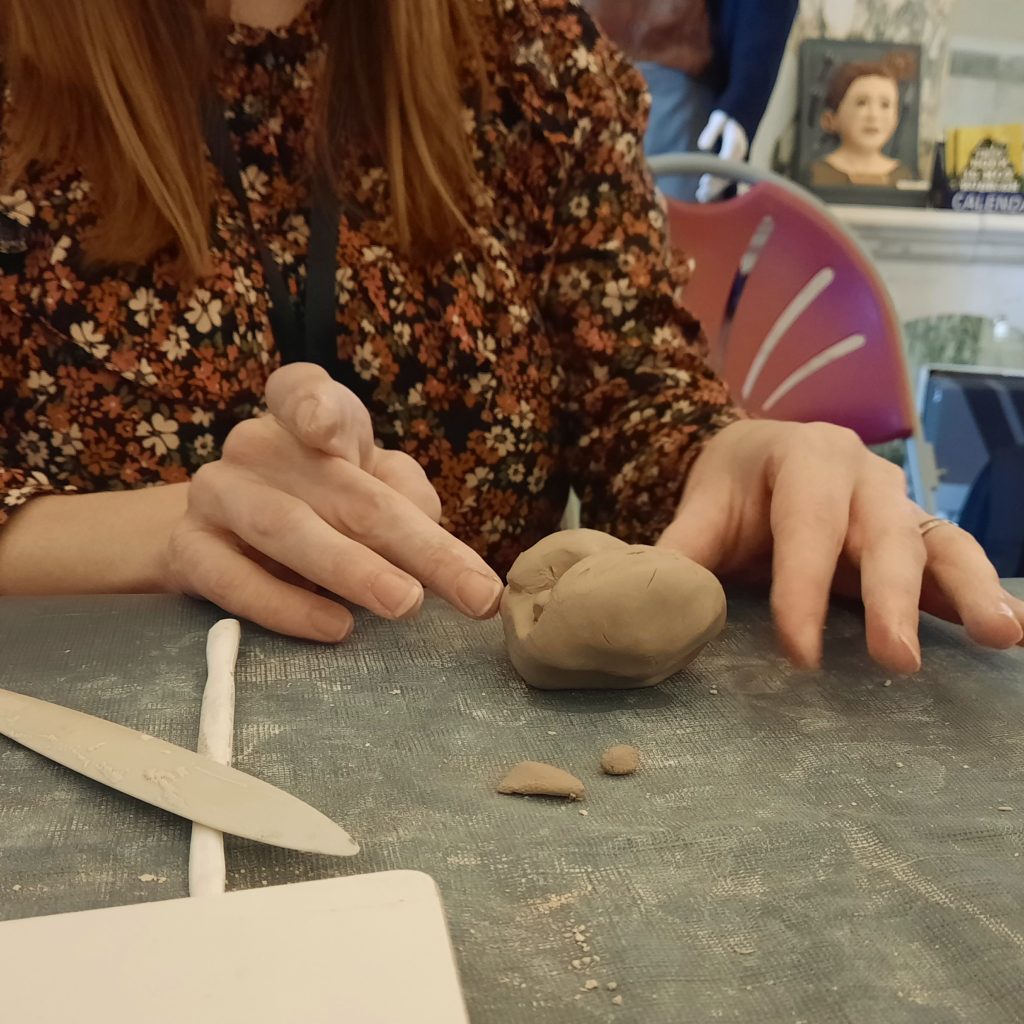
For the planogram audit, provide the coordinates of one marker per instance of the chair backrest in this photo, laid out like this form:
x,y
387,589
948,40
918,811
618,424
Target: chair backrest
x,y
799,322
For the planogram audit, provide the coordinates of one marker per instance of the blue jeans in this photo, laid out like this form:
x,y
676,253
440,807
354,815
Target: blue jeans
x,y
680,108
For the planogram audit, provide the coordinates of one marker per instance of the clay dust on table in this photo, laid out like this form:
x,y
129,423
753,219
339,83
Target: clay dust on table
x,y
588,963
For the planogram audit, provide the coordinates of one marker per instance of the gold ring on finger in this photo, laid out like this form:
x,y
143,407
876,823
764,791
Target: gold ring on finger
x,y
933,524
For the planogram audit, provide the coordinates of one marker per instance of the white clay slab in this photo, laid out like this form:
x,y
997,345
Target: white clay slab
x,y
369,949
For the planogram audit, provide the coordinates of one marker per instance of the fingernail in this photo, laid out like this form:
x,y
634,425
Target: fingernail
x,y
478,592
395,594
806,653
307,415
809,659
1005,609
332,626
915,652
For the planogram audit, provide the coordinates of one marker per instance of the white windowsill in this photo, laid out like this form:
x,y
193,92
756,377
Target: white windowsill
x,y
943,236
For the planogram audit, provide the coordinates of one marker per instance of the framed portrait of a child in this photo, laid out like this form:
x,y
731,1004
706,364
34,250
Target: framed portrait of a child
x,y
857,137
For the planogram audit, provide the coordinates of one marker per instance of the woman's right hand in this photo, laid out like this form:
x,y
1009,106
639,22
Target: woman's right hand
x,y
302,498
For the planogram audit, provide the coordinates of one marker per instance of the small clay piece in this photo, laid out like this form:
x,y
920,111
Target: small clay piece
x,y
583,610
534,778
620,760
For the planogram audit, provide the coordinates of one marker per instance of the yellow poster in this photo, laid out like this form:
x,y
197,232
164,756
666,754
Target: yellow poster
x,y
986,158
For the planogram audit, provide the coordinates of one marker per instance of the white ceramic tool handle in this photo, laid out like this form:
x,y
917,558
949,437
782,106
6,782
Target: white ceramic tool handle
x,y
207,871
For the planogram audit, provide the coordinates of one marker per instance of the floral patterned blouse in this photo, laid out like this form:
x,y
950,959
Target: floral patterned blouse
x,y
551,352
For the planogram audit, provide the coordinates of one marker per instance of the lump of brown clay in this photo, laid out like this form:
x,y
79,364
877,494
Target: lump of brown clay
x,y
620,760
583,610
534,778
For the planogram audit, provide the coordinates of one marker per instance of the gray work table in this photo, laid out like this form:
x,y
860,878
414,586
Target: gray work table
x,y
819,848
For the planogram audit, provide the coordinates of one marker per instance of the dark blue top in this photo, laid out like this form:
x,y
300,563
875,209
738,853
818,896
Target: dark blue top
x,y
749,39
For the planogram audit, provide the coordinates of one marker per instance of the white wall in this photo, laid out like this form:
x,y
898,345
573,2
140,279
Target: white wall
x,y
981,91
1001,20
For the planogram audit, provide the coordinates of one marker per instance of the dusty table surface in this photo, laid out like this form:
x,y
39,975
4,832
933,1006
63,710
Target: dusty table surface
x,y
816,848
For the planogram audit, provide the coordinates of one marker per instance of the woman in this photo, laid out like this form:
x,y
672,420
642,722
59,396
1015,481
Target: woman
x,y
449,201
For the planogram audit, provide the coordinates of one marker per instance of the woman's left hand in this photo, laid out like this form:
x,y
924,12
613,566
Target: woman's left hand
x,y
811,503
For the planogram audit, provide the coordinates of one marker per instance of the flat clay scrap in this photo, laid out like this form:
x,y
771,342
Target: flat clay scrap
x,y
584,610
621,759
534,778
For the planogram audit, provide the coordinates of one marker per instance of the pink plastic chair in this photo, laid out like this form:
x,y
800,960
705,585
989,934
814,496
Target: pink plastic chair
x,y
800,324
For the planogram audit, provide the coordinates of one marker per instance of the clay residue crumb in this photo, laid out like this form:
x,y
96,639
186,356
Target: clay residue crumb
x,y
617,1000
534,778
590,984
620,760
152,878
579,936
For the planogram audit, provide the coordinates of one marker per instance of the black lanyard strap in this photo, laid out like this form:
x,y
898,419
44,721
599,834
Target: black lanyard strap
x,y
308,334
